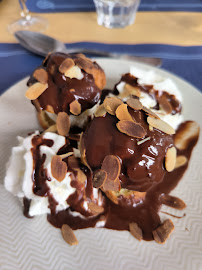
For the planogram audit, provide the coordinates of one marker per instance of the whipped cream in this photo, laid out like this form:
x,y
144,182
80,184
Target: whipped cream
x,y
19,181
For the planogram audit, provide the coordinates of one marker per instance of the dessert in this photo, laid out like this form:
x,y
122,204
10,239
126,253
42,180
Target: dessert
x,y
115,172
66,83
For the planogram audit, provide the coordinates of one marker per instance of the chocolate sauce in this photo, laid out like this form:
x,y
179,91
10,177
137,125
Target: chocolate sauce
x,y
39,176
59,93
155,94
145,213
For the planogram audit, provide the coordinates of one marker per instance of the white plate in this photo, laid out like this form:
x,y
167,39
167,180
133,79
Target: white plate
x,y
35,244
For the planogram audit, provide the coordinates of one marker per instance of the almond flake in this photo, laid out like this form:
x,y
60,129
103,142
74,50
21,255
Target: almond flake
x,y
69,235
111,165
149,112
172,201
131,129
75,107
63,123
122,113
35,90
188,131
66,65
170,159
99,178
132,90
180,161
162,233
52,129
44,120
165,104
81,177
142,141
50,109
135,231
74,137
95,208
161,125
110,185
58,168
111,104
66,155
41,75
100,111
134,103
74,72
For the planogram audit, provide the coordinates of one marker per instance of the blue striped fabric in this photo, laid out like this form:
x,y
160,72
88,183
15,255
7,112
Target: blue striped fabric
x,y
88,5
185,62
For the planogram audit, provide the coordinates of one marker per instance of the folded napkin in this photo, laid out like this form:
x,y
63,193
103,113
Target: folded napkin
x,y
185,62
88,5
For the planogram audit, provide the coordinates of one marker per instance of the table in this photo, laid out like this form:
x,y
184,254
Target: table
x,y
174,36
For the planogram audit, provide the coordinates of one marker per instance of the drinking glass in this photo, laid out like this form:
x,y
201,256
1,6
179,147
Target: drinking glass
x,y
116,13
27,21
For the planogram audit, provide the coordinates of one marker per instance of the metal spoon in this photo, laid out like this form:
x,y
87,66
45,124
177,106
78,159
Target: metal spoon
x,y
41,44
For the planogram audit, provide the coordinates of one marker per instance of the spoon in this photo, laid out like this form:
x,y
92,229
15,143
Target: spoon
x,y
42,45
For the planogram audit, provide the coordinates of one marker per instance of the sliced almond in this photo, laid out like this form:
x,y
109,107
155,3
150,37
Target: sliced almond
x,y
49,109
172,201
122,113
188,131
69,235
58,168
74,137
149,112
134,103
132,90
75,107
95,208
66,65
101,111
35,90
74,72
81,177
66,155
41,75
162,233
135,231
52,129
165,104
180,161
44,120
111,104
170,159
110,185
142,141
131,129
63,123
161,125
112,166
99,178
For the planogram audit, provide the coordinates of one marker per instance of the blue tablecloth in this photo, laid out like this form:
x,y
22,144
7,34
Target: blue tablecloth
x,y
88,5
186,62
